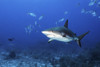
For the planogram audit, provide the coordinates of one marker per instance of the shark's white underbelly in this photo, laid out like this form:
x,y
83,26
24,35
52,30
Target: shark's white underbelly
x,y
60,38
64,39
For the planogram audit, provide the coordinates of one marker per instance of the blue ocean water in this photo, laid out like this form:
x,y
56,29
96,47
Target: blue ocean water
x,y
24,20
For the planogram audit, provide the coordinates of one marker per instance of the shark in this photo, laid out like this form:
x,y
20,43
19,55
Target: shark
x,y
63,34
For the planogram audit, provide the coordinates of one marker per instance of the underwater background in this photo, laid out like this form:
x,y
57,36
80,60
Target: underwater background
x,y
23,45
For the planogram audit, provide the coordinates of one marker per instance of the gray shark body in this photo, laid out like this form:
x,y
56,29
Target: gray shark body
x,y
63,34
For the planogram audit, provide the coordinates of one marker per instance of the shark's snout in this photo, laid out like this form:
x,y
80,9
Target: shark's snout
x,y
48,33
45,32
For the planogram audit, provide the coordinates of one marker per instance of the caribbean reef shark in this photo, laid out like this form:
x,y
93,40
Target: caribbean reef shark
x,y
63,34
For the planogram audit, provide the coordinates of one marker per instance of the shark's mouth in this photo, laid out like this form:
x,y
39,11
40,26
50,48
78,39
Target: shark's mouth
x,y
50,35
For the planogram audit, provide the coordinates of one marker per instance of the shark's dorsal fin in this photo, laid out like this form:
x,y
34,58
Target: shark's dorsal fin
x,y
66,24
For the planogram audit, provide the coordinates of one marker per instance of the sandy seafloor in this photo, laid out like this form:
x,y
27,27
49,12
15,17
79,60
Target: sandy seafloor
x,y
50,56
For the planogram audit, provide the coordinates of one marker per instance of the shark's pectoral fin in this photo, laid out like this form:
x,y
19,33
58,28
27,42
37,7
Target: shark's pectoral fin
x,y
66,24
50,40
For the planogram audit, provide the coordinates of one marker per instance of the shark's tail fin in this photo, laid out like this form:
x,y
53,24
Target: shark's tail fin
x,y
80,37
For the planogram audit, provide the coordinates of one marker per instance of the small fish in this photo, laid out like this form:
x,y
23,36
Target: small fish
x,y
99,17
61,20
99,4
83,11
91,3
41,17
29,29
10,39
32,14
95,1
26,30
35,22
93,13
30,26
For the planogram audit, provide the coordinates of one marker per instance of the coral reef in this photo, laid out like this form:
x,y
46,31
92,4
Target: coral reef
x,y
49,57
